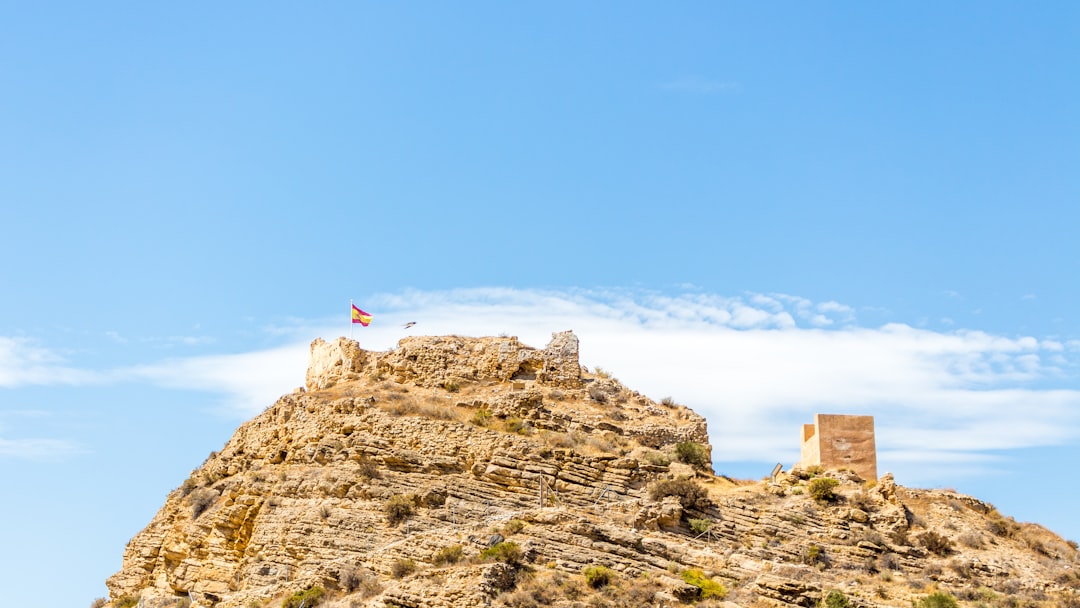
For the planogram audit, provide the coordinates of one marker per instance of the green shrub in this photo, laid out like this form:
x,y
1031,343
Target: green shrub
x,y
447,555
690,494
938,544
709,587
517,425
451,386
513,526
861,500
363,581
507,552
962,569
700,526
937,599
693,454
657,459
598,576
126,601
188,486
482,417
812,555
201,500
398,509
835,599
888,562
668,401
312,596
367,468
971,540
796,518
597,393
350,579
402,567
1000,525
821,488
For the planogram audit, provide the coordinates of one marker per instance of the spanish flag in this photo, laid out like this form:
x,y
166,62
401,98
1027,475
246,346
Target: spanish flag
x,y
359,316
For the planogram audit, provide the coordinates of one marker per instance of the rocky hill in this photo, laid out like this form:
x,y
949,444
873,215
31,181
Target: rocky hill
x,y
458,471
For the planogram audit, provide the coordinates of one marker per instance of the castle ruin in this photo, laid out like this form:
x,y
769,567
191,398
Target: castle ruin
x,y
837,441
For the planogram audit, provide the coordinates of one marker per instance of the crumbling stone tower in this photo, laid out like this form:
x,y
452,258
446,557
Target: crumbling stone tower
x,y
837,441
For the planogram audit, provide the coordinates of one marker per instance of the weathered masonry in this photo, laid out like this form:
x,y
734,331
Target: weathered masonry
x,y
837,441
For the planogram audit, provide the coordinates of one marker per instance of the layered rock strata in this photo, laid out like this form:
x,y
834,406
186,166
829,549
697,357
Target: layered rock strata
x,y
385,480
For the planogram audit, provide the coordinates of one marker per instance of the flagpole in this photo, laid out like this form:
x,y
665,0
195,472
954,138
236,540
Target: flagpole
x,y
350,318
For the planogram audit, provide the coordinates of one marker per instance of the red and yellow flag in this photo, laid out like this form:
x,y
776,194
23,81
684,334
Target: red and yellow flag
x,y
359,316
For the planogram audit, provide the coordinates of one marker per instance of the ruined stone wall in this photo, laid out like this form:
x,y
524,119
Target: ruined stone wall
x,y
440,360
841,442
811,452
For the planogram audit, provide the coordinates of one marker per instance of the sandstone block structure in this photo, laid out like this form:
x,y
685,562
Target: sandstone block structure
x,y
837,441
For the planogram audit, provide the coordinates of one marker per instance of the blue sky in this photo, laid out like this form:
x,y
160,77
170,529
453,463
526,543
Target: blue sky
x,y
760,211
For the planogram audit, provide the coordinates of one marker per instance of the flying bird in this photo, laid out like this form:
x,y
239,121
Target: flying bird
x,y
409,324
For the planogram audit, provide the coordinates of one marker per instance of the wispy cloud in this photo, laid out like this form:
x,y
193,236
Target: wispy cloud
x,y
24,362
757,366
33,449
249,381
819,314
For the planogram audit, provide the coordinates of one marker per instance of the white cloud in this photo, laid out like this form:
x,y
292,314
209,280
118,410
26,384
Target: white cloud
x,y
23,362
35,449
250,381
831,306
757,374
821,314
757,367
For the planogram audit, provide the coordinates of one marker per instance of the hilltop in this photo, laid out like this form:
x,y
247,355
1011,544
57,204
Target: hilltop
x,y
454,471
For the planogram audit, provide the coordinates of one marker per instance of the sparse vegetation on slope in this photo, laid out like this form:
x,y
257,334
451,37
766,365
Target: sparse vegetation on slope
x,y
312,596
382,485
691,494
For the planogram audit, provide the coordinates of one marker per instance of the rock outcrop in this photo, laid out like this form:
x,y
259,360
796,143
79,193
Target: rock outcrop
x,y
437,361
457,471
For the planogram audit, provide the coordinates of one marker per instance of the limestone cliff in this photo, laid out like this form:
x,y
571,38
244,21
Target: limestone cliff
x,y
457,471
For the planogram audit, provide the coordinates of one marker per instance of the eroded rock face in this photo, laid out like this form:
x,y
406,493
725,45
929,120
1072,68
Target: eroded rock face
x,y
332,362
560,365
440,360
446,444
